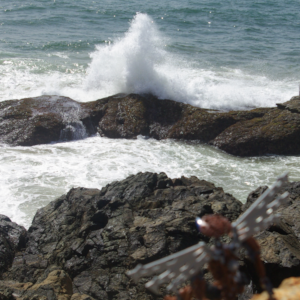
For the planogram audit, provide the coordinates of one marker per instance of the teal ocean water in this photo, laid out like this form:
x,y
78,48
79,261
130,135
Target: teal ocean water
x,y
218,54
224,54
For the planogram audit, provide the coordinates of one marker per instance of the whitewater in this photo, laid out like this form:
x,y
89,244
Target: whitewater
x,y
139,62
211,55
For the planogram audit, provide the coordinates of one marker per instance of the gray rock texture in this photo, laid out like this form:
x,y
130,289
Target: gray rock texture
x,y
94,237
280,244
44,119
13,238
274,132
81,245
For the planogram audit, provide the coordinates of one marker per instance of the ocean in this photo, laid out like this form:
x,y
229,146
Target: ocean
x,y
213,54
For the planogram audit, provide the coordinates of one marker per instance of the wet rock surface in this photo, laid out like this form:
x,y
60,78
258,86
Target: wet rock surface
x,y
81,245
95,236
280,244
275,132
46,119
13,238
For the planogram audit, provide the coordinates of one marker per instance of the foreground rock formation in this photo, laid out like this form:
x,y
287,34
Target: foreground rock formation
x,y
280,244
81,245
46,119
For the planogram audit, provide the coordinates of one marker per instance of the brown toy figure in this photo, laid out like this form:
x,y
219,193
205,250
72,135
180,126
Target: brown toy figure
x,y
223,264
221,259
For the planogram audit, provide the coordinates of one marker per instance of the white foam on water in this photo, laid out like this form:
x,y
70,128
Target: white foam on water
x,y
31,177
139,62
58,54
130,64
31,77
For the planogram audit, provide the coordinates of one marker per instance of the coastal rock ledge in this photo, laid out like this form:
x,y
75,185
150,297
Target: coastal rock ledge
x,y
46,119
81,245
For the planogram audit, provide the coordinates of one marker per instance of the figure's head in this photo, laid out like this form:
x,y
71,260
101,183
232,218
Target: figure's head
x,y
213,225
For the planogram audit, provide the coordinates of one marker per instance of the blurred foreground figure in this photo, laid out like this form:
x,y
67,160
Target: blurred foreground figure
x,y
222,259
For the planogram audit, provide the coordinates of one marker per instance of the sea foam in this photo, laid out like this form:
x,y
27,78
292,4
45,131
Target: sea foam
x,y
31,177
139,62
142,61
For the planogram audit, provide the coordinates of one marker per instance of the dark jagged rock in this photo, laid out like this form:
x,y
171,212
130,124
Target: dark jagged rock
x,y
280,244
253,196
45,119
292,105
81,245
12,238
132,115
96,236
6,294
57,285
277,131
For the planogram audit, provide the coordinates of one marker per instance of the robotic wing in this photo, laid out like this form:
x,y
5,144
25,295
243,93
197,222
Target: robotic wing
x,y
176,268
259,215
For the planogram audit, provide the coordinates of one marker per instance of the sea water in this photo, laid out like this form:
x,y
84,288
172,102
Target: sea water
x,y
212,54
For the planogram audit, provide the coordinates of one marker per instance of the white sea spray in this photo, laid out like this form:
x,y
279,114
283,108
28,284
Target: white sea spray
x,y
140,61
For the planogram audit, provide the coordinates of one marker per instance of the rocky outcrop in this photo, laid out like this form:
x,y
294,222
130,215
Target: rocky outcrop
x,y
280,244
93,237
12,239
45,119
81,245
275,132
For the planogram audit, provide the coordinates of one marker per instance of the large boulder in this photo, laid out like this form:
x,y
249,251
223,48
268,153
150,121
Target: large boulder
x,y
280,244
81,245
40,120
132,115
45,119
96,236
275,132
